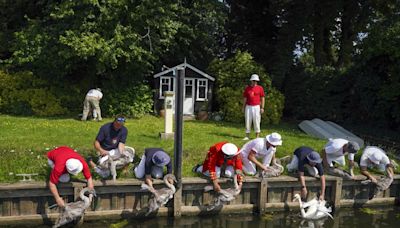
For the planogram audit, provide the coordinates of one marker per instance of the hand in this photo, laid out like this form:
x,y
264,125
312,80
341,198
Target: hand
x,y
240,185
262,111
103,153
217,187
60,202
304,192
373,179
322,197
352,173
243,109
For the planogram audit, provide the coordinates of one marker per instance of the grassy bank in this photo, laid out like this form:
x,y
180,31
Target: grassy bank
x,y
24,141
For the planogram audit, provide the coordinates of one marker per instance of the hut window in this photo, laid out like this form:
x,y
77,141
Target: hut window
x,y
202,87
165,85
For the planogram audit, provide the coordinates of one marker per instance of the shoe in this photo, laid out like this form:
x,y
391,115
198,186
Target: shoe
x,y
195,168
246,138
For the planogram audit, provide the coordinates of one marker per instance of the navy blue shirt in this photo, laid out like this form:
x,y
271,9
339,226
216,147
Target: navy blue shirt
x,y
149,153
301,154
109,138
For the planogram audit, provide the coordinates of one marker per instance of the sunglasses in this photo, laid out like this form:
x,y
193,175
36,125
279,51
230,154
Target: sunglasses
x,y
120,119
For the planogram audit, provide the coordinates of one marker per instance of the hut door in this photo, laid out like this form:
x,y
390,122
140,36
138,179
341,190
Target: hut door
x,y
188,101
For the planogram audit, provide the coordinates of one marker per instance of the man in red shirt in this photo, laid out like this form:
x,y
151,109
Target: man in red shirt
x,y
222,160
253,98
64,161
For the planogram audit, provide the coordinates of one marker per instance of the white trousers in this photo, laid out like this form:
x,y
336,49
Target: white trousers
x,y
252,115
338,159
250,168
294,165
229,172
156,171
63,178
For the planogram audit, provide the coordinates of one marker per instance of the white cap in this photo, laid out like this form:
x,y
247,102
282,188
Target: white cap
x,y
254,77
274,139
376,157
229,149
74,166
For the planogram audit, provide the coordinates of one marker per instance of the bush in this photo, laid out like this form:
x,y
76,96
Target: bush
x,y
133,102
23,94
232,76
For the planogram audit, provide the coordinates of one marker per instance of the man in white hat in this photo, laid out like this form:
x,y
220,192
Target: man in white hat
x,y
334,151
92,103
222,160
253,105
65,161
264,148
375,157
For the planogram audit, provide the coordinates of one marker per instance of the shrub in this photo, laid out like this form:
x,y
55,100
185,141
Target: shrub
x,y
133,101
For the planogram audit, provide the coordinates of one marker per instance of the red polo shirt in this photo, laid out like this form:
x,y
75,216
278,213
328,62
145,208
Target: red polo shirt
x,y
60,156
253,95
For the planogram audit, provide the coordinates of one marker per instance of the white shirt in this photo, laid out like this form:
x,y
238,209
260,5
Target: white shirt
x,y
95,93
367,153
334,148
259,146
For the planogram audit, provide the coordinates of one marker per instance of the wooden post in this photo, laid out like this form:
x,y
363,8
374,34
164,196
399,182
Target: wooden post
x,y
263,195
337,191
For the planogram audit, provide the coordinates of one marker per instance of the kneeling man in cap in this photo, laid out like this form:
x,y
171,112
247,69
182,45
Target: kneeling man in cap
x,y
264,148
65,161
306,157
152,165
222,160
375,157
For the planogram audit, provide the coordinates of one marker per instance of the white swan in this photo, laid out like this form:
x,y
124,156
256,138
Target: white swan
x,y
75,210
113,163
224,195
160,196
316,208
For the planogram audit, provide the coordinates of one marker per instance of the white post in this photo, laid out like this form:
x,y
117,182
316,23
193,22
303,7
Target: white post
x,y
169,114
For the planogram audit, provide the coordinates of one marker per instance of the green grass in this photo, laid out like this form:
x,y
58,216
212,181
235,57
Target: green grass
x,y
24,141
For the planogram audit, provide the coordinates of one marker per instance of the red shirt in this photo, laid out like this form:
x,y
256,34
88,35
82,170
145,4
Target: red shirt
x,y
253,95
60,156
215,157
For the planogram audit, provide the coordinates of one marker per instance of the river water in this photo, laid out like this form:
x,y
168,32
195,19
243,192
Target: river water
x,y
351,218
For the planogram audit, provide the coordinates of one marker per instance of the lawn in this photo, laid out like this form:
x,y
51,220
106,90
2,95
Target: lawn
x,y
24,141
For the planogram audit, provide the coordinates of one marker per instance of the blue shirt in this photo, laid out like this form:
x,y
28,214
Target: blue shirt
x,y
301,154
109,138
149,153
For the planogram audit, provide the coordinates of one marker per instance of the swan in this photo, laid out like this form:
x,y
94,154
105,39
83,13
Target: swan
x,y
274,171
224,195
382,184
118,162
160,196
75,210
316,208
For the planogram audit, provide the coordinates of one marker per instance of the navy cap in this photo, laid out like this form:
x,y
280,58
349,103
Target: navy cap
x,y
160,158
314,157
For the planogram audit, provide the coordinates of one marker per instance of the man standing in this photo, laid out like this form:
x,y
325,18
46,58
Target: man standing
x,y
92,102
253,98
264,148
334,151
305,157
110,141
222,160
65,161
152,165
375,157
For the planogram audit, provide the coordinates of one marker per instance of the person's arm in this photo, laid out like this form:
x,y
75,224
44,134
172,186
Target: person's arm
x,y
262,104
324,159
148,180
244,103
54,191
389,170
322,195
121,147
90,183
351,166
303,185
365,172
98,147
252,157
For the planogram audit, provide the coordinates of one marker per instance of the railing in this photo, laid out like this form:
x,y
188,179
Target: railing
x,y
29,202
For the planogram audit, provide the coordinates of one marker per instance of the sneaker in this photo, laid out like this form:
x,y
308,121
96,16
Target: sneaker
x,y
195,168
246,138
